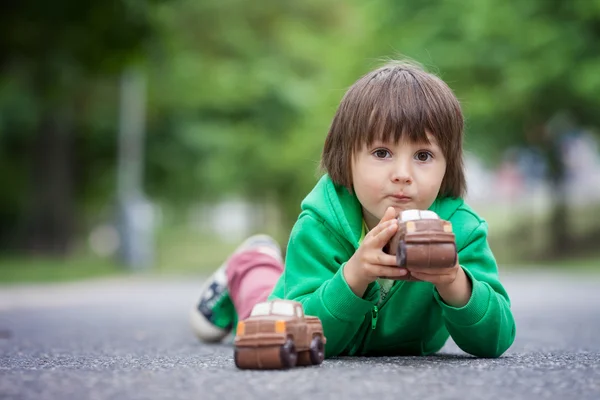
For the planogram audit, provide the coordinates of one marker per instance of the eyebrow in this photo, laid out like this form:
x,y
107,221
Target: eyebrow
x,y
432,142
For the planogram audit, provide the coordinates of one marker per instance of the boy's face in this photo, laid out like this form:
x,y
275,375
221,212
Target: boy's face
x,y
403,175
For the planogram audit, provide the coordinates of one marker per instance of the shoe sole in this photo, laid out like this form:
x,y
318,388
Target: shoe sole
x,y
204,329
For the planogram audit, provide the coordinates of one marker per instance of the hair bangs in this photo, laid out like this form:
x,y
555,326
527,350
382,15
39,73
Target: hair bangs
x,y
397,109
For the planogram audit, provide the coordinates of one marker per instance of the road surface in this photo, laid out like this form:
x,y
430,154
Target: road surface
x,y
128,338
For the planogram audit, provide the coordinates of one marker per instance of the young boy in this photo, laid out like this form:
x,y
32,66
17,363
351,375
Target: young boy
x,y
395,144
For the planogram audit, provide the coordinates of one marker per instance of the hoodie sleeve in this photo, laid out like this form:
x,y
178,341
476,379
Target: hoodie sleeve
x,y
485,326
313,275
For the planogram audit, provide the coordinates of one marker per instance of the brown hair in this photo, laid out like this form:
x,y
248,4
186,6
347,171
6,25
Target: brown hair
x,y
397,99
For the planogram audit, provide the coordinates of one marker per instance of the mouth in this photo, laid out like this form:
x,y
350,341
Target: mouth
x,y
401,198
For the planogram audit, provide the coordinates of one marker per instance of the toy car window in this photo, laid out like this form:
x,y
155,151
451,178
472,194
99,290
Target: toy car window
x,y
426,214
260,309
280,308
410,215
298,312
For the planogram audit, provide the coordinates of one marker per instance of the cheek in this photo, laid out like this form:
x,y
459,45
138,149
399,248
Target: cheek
x,y
440,179
362,174
433,177
370,181
442,173
439,170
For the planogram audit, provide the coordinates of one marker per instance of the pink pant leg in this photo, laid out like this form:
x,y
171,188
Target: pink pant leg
x,y
251,275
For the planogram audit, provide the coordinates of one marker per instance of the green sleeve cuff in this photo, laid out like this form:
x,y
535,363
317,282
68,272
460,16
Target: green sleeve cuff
x,y
472,312
341,301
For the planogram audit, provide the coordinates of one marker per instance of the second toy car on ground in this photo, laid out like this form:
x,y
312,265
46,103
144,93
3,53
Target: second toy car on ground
x,y
278,335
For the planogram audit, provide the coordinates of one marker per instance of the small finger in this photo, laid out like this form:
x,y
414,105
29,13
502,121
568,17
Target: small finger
x,y
421,276
431,271
382,226
433,278
385,259
389,272
387,233
390,213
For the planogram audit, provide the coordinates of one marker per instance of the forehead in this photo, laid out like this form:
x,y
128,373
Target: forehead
x,y
427,139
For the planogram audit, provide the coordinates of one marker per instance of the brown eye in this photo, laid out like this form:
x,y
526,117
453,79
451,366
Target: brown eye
x,y
423,156
381,153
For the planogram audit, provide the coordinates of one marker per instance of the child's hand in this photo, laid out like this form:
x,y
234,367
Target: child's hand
x,y
452,284
370,261
437,276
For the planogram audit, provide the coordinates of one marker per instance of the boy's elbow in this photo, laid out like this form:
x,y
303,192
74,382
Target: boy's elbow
x,y
505,345
502,345
495,353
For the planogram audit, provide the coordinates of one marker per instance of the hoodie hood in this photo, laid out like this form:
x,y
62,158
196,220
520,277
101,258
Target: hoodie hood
x,y
336,207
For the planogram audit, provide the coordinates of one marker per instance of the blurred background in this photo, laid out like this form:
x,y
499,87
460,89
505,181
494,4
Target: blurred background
x,y
152,136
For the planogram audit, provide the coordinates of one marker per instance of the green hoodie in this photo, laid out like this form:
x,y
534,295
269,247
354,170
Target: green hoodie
x,y
412,319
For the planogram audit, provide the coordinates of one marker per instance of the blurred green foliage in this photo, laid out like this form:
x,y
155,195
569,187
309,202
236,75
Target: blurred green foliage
x,y
241,94
513,64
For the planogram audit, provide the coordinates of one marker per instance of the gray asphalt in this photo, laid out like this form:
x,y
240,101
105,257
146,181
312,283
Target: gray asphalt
x,y
129,339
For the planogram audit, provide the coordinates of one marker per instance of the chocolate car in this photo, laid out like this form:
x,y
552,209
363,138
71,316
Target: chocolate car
x,y
423,240
277,335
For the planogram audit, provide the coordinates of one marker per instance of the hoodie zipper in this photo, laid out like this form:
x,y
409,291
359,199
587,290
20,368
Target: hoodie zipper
x,y
376,309
362,342
374,316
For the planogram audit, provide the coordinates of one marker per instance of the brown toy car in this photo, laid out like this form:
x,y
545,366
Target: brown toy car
x,y
277,335
422,240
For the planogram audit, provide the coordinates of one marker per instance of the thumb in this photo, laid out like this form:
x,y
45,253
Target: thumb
x,y
390,213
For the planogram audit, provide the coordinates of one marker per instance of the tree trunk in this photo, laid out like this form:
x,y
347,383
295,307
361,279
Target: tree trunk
x,y
559,224
560,230
51,214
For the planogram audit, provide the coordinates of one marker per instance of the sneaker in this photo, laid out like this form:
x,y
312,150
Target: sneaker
x,y
213,316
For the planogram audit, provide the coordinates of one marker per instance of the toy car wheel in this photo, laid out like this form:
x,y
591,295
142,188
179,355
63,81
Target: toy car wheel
x,y
401,254
317,350
236,357
288,354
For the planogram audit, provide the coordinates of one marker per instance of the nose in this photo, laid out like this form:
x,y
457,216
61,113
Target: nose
x,y
402,172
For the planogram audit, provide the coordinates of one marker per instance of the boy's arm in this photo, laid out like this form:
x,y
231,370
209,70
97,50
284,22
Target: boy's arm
x,y
313,275
485,326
